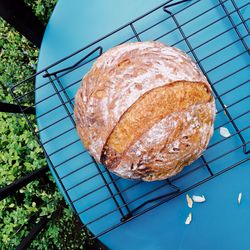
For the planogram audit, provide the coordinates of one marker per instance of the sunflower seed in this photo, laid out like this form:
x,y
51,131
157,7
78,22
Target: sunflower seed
x,y
189,201
224,132
197,198
189,219
239,198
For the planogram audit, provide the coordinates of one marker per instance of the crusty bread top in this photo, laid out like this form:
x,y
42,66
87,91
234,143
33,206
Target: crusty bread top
x,y
171,144
118,78
148,110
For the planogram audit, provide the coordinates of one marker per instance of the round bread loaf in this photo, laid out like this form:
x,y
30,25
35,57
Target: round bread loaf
x,y
145,110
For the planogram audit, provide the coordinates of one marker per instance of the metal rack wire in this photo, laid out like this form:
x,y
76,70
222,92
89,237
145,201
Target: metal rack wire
x,y
213,51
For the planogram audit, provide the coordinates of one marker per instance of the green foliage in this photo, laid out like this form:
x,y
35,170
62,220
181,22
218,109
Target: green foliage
x,y
42,8
20,154
18,57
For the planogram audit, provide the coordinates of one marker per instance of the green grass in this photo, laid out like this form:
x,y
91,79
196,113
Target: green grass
x,y
20,154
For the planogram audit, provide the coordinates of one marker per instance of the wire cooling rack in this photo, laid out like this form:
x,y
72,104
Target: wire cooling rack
x,y
216,35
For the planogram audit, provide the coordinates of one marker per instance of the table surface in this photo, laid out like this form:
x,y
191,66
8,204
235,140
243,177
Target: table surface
x,y
219,223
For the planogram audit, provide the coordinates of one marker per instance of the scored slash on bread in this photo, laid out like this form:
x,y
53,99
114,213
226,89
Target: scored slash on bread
x,y
149,109
174,142
145,110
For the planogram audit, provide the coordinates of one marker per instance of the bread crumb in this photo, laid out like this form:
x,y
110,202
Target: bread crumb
x,y
189,201
199,199
225,106
224,132
189,219
239,198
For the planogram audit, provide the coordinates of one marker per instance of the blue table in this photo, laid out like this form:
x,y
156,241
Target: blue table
x,y
219,223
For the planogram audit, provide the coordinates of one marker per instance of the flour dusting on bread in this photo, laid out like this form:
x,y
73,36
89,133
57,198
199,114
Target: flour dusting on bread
x,y
117,80
169,155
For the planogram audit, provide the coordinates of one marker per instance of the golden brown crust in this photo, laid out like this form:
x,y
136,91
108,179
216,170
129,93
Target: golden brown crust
x,y
174,142
118,78
140,105
148,110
